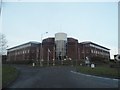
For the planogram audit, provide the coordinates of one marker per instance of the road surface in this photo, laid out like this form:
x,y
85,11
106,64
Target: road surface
x,y
58,77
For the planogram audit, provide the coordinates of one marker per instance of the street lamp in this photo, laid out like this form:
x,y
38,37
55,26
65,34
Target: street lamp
x,y
41,50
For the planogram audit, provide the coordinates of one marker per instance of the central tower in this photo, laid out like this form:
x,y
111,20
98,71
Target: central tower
x,y
60,44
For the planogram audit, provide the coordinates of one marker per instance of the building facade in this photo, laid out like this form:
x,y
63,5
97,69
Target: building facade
x,y
25,52
58,48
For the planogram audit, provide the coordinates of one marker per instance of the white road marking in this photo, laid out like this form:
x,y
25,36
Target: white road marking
x,y
93,76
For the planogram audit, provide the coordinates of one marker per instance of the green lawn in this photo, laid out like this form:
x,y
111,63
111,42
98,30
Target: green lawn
x,y
99,71
9,74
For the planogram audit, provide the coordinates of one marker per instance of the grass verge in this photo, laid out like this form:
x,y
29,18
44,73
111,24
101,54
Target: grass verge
x,y
99,71
9,74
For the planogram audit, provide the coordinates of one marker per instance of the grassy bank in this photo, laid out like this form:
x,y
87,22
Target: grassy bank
x,y
103,71
9,74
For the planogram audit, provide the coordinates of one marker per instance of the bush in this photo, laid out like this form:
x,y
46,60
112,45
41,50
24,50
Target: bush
x,y
114,65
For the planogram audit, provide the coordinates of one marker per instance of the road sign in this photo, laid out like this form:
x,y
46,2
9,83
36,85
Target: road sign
x,y
117,57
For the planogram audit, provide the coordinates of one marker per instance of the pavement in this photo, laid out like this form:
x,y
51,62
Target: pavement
x,y
58,77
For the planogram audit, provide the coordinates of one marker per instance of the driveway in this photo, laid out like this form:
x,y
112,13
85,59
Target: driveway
x,y
58,77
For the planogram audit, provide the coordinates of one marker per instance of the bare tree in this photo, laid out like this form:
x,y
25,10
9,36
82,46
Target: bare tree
x,y
3,44
0,7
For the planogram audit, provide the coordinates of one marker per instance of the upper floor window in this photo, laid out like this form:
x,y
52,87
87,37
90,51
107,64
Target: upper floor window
x,y
91,51
23,52
28,51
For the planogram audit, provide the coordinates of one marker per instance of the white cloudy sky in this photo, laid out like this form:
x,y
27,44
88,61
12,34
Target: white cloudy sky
x,y
86,21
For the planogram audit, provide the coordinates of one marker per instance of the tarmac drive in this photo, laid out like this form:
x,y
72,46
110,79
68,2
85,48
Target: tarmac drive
x,y
58,77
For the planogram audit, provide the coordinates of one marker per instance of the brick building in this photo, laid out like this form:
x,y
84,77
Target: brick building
x,y
25,52
94,51
58,48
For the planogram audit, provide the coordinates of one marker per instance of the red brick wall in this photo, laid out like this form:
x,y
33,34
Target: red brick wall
x,y
48,44
72,48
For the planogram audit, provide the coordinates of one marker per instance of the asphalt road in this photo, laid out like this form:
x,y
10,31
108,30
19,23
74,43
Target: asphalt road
x,y
58,77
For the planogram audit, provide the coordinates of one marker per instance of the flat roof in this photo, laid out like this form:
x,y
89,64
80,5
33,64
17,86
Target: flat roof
x,y
89,42
22,45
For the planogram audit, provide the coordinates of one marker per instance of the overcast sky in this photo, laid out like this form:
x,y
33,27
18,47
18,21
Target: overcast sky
x,y
85,21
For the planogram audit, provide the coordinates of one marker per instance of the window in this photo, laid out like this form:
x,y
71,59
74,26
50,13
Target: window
x,y
98,52
15,53
32,51
37,49
91,51
28,51
82,51
23,51
98,47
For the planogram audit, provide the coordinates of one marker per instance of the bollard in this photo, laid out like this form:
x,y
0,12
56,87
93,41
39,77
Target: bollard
x,y
33,64
92,66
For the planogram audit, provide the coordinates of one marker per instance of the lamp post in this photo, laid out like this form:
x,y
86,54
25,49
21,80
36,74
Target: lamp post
x,y
48,57
41,50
